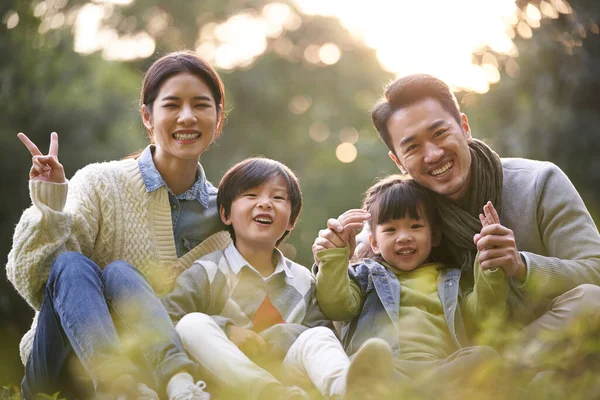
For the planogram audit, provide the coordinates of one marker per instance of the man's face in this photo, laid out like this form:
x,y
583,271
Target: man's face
x,y
432,147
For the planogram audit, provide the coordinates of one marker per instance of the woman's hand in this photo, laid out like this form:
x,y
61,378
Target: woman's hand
x,y
45,167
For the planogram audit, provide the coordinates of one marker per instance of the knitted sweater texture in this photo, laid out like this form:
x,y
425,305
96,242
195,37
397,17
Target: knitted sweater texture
x,y
105,213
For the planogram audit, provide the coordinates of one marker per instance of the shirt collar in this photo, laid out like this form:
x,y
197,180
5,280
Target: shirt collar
x,y
200,191
237,261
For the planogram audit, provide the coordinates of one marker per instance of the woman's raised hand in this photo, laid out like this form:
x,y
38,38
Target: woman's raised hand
x,y
45,167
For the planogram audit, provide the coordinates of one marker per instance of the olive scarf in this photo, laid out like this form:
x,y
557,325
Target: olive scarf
x,y
460,220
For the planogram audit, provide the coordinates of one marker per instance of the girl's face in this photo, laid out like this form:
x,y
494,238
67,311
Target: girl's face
x,y
404,243
183,118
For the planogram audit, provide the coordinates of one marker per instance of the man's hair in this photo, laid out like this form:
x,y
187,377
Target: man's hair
x,y
397,197
406,91
253,172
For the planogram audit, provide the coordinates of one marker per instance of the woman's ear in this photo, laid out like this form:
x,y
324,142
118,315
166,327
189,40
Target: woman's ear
x,y
226,220
147,118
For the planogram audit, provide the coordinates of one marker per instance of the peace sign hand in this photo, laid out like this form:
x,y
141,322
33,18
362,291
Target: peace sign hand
x,y
44,168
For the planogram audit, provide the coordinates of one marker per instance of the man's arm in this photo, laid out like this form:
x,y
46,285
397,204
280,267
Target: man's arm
x,y
568,233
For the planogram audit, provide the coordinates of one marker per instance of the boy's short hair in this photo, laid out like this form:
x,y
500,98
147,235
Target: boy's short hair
x,y
397,196
253,172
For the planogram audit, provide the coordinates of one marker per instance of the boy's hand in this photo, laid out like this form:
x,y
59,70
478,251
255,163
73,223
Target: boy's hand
x,y
249,342
497,246
340,231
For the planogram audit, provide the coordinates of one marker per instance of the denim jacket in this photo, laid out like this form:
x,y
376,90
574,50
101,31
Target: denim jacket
x,y
381,308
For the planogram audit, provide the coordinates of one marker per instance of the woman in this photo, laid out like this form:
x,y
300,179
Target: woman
x,y
153,211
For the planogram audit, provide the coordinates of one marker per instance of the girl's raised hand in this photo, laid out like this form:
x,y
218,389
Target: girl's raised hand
x,y
489,216
44,167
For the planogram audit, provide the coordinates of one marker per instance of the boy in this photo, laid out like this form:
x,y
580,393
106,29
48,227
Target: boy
x,y
405,298
242,307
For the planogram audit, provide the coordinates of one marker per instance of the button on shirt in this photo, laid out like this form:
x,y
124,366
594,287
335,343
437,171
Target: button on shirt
x,y
194,214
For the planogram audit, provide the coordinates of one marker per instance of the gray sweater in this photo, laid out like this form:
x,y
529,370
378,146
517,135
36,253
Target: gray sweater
x,y
553,229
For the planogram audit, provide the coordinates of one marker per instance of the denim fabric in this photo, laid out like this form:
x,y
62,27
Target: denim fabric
x,y
194,214
379,314
75,328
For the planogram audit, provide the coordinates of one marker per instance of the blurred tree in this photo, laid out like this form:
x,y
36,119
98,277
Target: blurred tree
x,y
45,86
91,103
548,108
287,104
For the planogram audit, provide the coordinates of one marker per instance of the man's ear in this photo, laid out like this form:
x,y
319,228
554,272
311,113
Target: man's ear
x,y
436,237
147,118
464,124
397,162
373,243
226,220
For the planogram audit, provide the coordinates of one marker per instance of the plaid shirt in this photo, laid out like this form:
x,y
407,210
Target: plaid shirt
x,y
224,285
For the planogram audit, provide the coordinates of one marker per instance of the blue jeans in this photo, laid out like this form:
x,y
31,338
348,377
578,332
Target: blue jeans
x,y
108,322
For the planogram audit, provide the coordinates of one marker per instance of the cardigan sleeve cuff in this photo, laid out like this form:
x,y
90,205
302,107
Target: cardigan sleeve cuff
x,y
48,194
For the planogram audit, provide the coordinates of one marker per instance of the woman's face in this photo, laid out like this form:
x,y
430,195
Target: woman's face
x,y
183,118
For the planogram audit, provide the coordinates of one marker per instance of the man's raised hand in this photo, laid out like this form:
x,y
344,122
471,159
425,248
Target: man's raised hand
x,y
44,167
497,245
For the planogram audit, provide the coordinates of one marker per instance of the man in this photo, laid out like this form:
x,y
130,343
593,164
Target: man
x,y
546,242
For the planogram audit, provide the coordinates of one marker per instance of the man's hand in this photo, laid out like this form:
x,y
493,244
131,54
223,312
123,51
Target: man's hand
x,y
249,342
340,231
497,246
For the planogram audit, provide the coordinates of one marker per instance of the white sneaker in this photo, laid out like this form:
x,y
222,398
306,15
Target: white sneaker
x,y
193,392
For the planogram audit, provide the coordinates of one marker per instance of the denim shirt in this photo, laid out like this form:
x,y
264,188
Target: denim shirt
x,y
379,316
194,214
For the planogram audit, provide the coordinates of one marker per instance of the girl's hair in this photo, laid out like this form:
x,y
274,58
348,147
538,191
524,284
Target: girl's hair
x,y
253,172
397,197
176,63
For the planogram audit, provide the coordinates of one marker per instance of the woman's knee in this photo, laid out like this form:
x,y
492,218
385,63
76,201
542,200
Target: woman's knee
x,y
72,265
118,270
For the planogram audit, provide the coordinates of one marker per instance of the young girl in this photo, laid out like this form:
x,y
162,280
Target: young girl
x,y
402,295
151,211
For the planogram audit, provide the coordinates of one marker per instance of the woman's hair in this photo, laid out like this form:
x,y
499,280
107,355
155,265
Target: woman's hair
x,y
253,172
176,63
397,197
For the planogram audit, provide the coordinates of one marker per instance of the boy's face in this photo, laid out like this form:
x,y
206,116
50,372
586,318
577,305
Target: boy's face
x,y
404,243
261,215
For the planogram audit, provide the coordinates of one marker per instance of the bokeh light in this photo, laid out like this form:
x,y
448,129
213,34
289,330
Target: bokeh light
x,y
348,135
346,152
318,131
329,53
299,104
11,19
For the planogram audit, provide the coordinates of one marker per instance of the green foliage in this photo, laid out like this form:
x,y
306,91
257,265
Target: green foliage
x,y
548,112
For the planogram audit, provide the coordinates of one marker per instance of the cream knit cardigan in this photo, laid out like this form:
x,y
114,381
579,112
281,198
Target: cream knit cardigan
x,y
105,213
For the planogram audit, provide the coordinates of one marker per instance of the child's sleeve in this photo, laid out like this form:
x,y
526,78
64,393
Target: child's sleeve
x,y
192,293
489,299
339,297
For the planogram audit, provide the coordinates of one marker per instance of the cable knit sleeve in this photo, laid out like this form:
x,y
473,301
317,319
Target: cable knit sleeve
x,y
63,217
569,236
